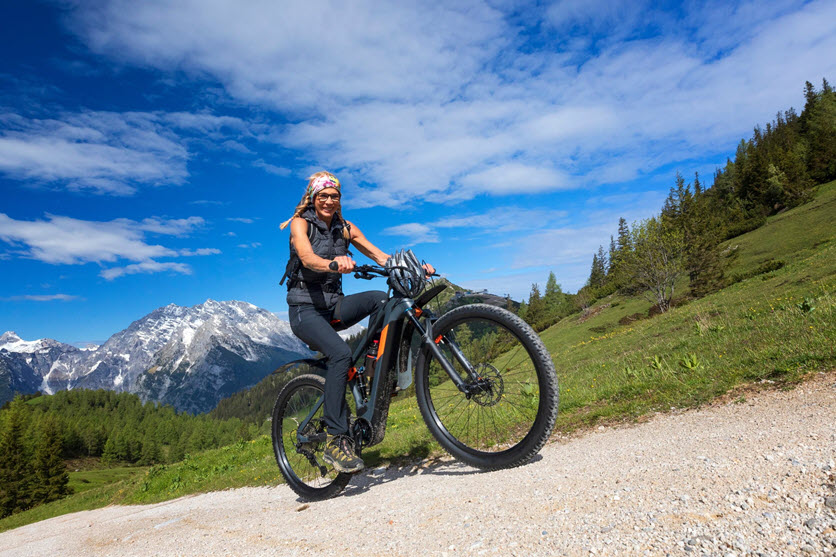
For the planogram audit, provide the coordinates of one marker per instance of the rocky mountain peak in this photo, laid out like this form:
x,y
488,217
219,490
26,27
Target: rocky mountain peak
x,y
7,337
190,357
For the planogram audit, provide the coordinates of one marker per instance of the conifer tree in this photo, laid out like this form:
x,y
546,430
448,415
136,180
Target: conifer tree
x,y
150,451
598,271
110,452
51,477
15,462
821,129
536,306
523,311
554,298
625,243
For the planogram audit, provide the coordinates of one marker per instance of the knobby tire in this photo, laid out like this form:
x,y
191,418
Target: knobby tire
x,y
295,401
509,423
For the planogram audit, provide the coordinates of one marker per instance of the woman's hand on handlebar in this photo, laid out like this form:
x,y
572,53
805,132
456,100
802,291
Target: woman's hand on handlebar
x,y
342,264
429,269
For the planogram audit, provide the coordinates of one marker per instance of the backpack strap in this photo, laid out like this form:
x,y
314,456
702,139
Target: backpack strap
x,y
294,262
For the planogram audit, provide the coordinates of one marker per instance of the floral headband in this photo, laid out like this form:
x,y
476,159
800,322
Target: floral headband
x,y
320,183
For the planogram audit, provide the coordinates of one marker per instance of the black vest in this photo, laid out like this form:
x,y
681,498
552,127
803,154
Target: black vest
x,y
305,286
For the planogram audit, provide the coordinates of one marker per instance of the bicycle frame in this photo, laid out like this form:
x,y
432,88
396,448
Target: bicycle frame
x,y
394,325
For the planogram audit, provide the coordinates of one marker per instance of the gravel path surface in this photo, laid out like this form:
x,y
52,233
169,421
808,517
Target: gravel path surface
x,y
736,478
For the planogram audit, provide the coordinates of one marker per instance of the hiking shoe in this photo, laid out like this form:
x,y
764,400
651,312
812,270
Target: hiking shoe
x,y
339,453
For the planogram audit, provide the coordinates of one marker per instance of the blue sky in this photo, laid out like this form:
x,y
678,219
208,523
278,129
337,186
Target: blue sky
x,y
149,150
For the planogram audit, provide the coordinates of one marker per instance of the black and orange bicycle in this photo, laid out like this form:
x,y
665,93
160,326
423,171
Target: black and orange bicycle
x,y
484,382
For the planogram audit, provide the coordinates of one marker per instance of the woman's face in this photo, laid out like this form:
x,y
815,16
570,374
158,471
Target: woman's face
x,y
327,202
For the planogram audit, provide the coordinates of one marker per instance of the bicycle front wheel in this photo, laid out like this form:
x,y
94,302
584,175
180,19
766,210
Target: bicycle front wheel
x,y
298,431
509,409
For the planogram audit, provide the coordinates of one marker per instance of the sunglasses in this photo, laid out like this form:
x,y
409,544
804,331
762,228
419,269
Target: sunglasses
x,y
326,196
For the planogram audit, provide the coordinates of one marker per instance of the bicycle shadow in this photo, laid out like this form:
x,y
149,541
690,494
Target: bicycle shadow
x,y
438,466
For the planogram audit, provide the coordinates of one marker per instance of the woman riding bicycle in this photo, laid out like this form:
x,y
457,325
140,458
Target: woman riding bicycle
x,y
319,242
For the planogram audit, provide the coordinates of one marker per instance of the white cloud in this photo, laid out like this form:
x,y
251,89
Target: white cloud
x,y
415,232
199,251
500,220
299,54
271,168
108,152
515,178
595,15
44,297
464,103
98,151
171,227
69,241
145,267
253,245
241,219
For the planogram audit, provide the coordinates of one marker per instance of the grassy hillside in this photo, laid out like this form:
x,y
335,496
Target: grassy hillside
x,y
613,363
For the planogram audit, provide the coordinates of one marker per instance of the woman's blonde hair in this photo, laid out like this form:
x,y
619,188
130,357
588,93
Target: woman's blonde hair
x,y
307,201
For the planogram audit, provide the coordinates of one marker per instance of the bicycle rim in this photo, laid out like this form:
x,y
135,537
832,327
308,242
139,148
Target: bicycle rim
x,y
509,418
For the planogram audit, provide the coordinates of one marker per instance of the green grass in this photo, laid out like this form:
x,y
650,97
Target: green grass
x,y
90,479
774,327
793,235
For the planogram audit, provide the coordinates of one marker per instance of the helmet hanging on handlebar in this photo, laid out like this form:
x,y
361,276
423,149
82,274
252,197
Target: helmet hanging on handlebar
x,y
406,275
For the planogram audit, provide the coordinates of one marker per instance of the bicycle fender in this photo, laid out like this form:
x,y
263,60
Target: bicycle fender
x,y
429,294
317,365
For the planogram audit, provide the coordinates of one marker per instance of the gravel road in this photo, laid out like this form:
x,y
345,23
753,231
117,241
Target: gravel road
x,y
740,477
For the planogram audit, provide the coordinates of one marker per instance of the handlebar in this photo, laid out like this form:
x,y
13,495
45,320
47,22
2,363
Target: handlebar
x,y
369,272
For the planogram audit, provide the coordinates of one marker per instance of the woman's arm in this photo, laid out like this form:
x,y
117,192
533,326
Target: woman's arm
x,y
366,247
299,237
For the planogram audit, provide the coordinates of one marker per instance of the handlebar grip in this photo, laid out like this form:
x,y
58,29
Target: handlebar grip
x,y
333,266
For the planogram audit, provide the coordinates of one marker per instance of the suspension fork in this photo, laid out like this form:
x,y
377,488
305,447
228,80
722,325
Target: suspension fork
x,y
432,345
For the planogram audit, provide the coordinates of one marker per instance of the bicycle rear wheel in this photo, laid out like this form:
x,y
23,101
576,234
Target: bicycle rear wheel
x,y
301,463
511,407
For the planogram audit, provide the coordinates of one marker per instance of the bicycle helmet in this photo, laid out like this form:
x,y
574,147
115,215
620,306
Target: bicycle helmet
x,y
406,275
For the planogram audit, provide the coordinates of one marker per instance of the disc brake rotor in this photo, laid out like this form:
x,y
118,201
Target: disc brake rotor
x,y
490,386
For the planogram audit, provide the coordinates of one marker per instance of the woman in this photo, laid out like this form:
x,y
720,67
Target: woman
x,y
319,236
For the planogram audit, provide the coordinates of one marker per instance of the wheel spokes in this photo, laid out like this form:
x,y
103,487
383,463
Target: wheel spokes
x,y
503,405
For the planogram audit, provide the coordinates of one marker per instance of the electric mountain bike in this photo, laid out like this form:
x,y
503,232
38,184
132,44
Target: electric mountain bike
x,y
484,382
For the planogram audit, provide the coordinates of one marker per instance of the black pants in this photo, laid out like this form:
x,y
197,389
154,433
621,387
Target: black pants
x,y
313,326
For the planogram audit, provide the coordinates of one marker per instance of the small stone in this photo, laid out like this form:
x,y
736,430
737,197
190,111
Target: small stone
x,y
830,502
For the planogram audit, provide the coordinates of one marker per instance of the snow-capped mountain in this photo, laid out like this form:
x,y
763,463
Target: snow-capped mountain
x,y
24,363
189,357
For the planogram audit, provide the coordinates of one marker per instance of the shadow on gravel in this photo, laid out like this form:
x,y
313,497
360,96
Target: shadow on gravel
x,y
374,477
